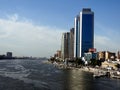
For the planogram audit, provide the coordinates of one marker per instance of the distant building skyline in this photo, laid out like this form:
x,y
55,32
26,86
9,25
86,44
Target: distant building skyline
x,y
45,21
79,39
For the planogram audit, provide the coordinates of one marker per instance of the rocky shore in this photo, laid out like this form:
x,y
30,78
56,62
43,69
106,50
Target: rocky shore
x,y
97,72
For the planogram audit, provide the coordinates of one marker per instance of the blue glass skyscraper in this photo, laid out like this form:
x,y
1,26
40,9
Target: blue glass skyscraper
x,y
84,32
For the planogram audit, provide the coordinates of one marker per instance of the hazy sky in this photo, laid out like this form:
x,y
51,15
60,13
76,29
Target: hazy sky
x,y
34,27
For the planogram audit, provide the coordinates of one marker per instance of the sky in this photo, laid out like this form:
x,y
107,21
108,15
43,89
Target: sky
x,y
34,27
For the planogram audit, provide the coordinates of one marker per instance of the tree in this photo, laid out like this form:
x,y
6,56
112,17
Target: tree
x,y
99,63
93,62
79,61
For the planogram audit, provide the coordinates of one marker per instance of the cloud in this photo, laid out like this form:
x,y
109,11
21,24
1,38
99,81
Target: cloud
x,y
13,17
25,38
101,40
107,31
106,38
103,43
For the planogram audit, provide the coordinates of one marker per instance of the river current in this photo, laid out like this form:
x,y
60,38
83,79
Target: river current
x,y
37,75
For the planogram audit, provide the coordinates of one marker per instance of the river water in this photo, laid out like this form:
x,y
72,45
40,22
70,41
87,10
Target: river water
x,y
37,75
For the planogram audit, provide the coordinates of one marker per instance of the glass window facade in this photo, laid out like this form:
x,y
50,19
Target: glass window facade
x,y
84,32
87,32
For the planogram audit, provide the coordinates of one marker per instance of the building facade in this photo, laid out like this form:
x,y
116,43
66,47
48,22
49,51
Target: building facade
x,y
71,43
84,32
118,55
65,45
57,55
88,56
106,55
9,54
101,55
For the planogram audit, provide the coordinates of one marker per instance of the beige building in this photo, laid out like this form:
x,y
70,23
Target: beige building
x,y
65,45
59,53
71,43
118,55
101,55
106,55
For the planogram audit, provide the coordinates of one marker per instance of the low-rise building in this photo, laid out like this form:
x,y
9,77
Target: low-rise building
x,y
88,56
106,55
9,54
91,54
118,55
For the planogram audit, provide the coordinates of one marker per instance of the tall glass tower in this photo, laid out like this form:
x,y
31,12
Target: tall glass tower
x,y
84,32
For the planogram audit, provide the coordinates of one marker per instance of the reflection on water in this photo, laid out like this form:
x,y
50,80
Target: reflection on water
x,y
80,80
47,77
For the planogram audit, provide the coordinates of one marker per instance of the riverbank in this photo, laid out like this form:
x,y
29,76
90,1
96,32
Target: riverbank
x,y
97,72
